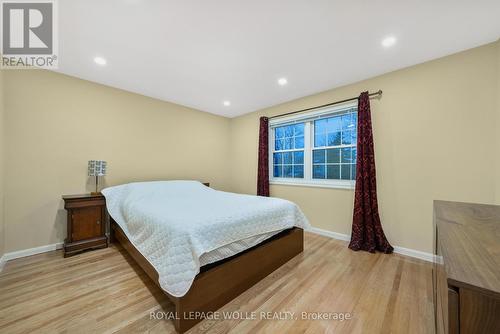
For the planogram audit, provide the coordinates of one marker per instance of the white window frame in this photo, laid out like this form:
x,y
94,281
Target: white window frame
x,y
308,118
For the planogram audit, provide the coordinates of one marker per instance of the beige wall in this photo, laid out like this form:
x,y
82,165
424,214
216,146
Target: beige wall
x,y
434,135
497,151
2,129
57,123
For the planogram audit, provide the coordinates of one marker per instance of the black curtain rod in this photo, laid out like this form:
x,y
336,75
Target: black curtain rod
x,y
325,105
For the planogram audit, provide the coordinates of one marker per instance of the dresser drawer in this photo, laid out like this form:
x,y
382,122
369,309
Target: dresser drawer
x,y
479,313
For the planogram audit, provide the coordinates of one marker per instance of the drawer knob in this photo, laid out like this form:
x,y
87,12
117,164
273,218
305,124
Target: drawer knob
x,y
98,222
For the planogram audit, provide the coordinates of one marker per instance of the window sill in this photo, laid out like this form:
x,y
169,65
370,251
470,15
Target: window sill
x,y
349,185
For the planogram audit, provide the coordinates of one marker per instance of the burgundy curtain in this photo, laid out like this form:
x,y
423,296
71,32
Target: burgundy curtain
x,y
367,233
263,167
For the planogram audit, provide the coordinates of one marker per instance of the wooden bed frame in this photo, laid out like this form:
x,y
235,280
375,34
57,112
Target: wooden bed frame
x,y
219,283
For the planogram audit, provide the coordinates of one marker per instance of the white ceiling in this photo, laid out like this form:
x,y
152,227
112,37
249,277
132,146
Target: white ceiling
x,y
200,53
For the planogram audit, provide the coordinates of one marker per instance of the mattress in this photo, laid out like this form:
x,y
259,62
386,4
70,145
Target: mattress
x,y
179,226
234,248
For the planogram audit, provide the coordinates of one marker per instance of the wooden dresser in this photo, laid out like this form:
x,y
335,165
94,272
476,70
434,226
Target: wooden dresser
x,y
467,281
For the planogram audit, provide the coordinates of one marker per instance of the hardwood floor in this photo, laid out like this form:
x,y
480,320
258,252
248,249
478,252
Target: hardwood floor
x,y
104,291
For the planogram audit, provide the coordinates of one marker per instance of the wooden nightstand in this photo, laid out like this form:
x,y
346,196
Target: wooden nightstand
x,y
86,223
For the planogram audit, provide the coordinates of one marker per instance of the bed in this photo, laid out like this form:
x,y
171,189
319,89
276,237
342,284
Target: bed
x,y
201,246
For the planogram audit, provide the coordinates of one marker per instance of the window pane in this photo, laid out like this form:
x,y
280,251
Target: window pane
x,y
277,158
346,155
333,155
354,137
345,171
355,119
334,139
333,172
320,126
298,157
318,156
298,171
318,171
287,171
299,129
334,124
277,171
348,122
346,137
288,131
354,155
287,158
299,142
288,144
279,132
319,140
353,172
279,144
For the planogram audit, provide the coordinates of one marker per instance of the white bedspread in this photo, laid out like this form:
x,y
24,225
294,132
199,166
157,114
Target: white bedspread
x,y
173,223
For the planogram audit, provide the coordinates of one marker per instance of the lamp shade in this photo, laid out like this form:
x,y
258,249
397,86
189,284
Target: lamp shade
x,y
97,168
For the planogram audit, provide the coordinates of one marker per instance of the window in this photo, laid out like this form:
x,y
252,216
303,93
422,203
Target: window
x,y
316,149
334,151
288,156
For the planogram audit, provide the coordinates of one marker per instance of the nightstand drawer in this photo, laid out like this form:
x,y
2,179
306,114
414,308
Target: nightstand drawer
x,y
86,223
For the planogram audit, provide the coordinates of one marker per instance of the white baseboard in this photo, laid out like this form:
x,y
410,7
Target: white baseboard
x,y
400,250
2,263
27,252
339,236
330,234
429,257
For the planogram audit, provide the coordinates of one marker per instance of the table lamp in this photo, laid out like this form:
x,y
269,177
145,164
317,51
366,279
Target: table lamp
x,y
97,168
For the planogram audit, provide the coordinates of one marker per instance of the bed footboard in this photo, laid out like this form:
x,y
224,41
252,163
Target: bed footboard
x,y
218,284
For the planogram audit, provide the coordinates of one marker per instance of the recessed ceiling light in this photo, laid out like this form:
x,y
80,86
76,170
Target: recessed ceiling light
x,y
226,103
389,41
100,61
282,81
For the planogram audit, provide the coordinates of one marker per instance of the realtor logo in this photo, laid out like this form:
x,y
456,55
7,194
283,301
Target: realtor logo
x,y
29,36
